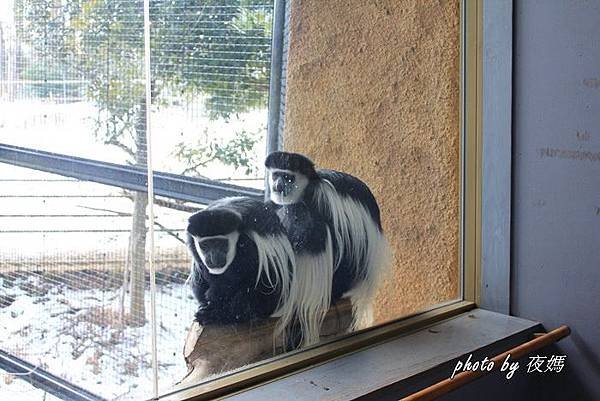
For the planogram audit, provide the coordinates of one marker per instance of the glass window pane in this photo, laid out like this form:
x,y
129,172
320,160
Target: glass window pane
x,y
210,68
371,91
73,281
72,82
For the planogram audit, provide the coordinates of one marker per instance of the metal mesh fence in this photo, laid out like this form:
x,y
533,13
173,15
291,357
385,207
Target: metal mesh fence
x,y
74,293
66,284
72,79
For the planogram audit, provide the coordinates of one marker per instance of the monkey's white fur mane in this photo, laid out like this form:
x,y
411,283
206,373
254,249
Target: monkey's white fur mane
x,y
310,294
277,261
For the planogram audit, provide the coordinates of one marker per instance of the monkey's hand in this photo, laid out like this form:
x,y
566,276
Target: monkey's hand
x,y
238,309
199,287
207,314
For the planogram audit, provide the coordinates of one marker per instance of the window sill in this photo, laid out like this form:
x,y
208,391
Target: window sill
x,y
401,366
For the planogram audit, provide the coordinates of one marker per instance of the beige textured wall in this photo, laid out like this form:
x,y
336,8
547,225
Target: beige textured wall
x,y
372,90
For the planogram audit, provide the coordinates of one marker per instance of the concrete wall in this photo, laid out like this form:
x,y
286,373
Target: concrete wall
x,y
556,196
556,189
372,90
345,117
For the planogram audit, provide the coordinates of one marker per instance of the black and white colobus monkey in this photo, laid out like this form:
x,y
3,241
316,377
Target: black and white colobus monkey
x,y
242,261
333,222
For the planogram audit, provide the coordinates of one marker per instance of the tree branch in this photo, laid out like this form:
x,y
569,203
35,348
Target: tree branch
x,y
156,223
120,145
170,232
176,206
99,209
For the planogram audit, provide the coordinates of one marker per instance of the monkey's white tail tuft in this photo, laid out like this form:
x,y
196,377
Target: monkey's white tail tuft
x,y
358,236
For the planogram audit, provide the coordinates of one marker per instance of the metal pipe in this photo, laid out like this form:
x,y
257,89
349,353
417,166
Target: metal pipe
x,y
44,380
173,186
277,43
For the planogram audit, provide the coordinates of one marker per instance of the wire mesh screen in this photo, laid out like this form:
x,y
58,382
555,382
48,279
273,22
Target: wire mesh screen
x,y
74,292
68,297
211,61
79,65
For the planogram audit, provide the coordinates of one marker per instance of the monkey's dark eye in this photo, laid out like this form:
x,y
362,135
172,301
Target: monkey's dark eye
x,y
289,178
214,244
285,177
203,246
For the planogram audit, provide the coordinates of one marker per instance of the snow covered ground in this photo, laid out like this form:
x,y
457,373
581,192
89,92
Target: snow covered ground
x,y
77,335
75,332
16,389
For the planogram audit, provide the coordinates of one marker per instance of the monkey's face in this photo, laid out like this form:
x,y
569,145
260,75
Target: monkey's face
x,y
217,252
287,187
213,233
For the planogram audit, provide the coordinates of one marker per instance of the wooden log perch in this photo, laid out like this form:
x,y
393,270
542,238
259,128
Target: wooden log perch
x,y
212,350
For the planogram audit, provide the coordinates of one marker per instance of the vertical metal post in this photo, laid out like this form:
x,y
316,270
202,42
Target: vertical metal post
x,y
148,81
273,139
277,43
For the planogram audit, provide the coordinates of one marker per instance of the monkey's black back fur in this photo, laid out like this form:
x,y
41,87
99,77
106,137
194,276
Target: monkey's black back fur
x,y
234,296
